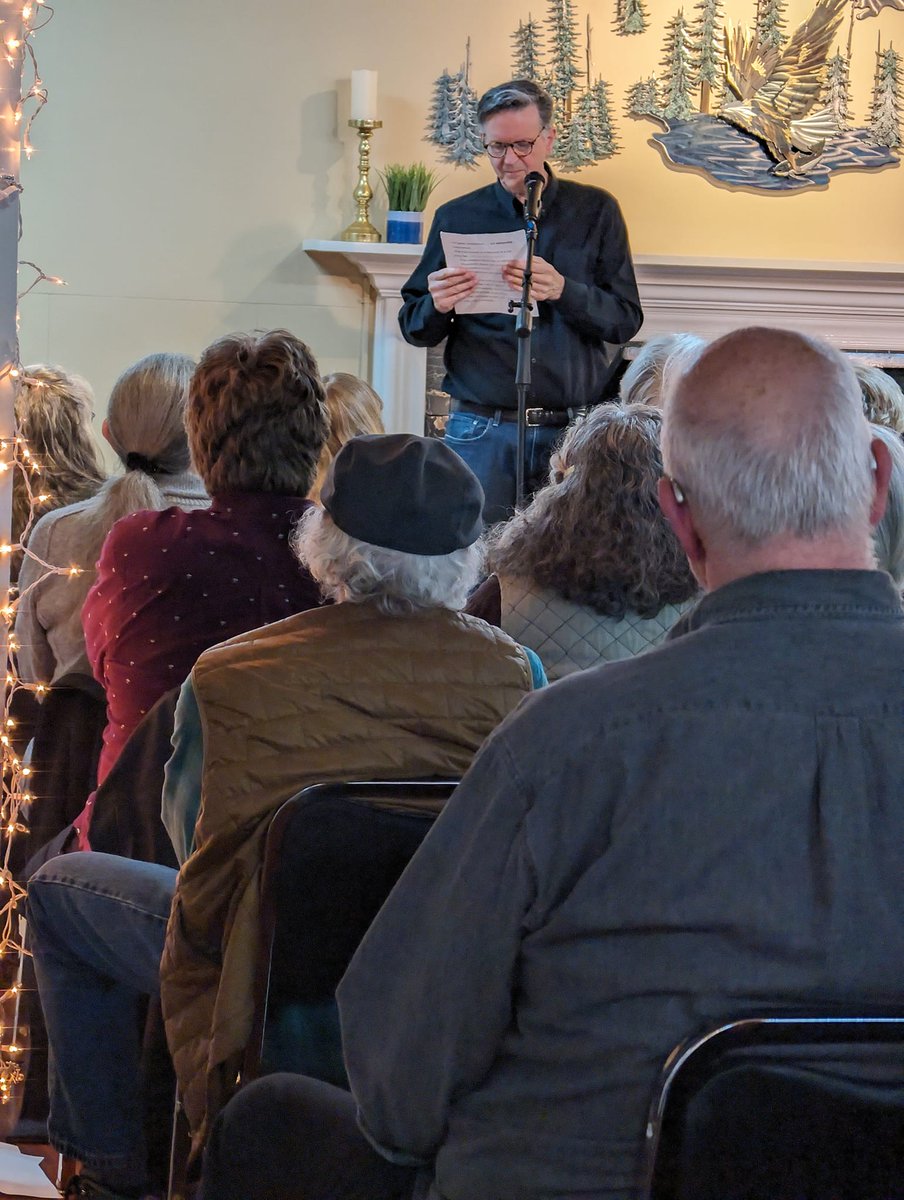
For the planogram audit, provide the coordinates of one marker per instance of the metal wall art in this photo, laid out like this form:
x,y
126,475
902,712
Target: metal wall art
x,y
764,105
769,106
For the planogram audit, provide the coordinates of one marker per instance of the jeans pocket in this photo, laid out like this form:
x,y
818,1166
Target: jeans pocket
x,y
461,427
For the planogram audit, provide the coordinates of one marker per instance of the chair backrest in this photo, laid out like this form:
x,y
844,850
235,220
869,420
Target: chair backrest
x,y
781,1105
68,735
332,857
126,818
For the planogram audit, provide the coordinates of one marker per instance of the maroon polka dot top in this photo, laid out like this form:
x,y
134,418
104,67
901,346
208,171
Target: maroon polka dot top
x,y
170,584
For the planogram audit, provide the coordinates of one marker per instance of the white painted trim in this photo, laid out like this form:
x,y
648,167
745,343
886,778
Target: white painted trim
x,y
857,306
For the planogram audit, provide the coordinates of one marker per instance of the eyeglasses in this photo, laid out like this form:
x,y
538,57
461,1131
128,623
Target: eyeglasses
x,y
522,149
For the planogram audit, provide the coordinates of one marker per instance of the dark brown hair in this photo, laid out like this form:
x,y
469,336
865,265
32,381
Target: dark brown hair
x,y
257,417
596,534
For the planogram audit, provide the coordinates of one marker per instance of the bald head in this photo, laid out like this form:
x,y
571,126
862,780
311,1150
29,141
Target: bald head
x,y
765,433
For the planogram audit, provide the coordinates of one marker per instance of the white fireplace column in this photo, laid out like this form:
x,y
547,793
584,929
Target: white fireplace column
x,y
399,371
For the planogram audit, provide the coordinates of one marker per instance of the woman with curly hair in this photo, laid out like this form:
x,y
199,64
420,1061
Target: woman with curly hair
x,y
590,571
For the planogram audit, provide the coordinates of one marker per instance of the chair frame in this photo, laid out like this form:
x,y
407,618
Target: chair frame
x,y
776,1030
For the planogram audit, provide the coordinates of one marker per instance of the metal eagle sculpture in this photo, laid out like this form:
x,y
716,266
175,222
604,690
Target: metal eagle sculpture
x,y
777,90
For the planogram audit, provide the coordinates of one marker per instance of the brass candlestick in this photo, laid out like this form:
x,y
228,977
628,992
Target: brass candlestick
x,y
361,229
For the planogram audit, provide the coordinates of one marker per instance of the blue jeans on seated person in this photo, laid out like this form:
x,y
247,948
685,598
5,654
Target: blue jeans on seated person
x,y
489,446
96,927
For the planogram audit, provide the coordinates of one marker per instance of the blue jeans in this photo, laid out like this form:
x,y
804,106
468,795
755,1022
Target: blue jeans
x,y
96,927
489,446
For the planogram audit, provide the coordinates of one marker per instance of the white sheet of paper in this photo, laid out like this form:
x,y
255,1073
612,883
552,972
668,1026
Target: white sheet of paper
x,y
21,1174
486,254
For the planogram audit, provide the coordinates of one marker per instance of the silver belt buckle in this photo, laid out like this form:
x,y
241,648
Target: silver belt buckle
x,y
533,417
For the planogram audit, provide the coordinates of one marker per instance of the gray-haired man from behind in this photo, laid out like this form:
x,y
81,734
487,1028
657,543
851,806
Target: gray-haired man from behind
x,y
707,831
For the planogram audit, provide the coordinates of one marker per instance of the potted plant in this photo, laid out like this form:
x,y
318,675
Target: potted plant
x,y
408,189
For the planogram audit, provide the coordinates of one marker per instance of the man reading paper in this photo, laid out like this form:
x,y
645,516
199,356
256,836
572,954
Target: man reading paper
x,y
583,289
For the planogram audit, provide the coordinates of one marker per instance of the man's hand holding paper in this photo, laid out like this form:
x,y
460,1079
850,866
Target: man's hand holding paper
x,y
474,267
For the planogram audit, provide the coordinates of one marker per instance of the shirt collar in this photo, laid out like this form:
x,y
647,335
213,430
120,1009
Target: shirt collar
x,y
257,502
773,593
510,204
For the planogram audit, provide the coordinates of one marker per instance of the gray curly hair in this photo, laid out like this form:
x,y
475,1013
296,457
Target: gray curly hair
x,y
352,572
596,534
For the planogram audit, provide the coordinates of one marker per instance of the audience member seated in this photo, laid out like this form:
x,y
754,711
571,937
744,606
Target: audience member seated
x,y
590,571
144,425
889,533
170,584
392,681
883,400
642,382
354,408
54,411
707,831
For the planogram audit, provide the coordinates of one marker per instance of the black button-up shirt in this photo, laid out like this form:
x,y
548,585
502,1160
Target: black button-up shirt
x,y
582,234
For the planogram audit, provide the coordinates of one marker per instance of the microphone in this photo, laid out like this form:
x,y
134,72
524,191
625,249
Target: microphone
x,y
534,184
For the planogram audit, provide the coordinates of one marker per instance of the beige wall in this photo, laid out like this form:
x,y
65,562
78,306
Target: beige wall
x,y
188,148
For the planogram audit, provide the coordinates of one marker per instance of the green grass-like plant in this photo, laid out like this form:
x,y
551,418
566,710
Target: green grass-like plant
x,y
408,188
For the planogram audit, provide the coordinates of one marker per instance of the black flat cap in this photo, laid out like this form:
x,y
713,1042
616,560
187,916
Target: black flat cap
x,y
405,493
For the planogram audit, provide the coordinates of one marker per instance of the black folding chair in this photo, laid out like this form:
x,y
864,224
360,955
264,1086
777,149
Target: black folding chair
x,y
782,1108
332,857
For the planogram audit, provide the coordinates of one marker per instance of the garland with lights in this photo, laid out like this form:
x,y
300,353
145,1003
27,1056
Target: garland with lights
x,y
19,22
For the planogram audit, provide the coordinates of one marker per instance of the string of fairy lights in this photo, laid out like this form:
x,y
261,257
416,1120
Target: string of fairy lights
x,y
16,46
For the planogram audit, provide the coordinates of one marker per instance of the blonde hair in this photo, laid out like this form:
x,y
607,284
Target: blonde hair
x,y
354,408
53,415
642,383
145,426
883,400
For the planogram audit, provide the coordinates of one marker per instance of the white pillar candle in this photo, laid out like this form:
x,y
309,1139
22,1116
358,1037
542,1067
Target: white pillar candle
x,y
364,96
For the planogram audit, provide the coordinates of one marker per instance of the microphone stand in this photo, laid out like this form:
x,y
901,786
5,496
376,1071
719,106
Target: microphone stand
x,y
523,329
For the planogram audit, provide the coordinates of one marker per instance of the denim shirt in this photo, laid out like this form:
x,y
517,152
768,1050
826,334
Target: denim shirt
x,y
709,830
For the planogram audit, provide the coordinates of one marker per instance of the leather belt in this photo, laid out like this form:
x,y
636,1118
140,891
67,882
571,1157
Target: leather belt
x,y
536,417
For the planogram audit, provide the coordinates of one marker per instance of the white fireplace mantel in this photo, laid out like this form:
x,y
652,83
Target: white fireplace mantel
x,y
855,306
398,371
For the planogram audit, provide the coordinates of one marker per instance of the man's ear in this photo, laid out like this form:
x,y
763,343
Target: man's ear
x,y
679,516
881,476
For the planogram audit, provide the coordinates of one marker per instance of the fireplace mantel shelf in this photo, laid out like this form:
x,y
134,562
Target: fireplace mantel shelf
x,y
857,306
